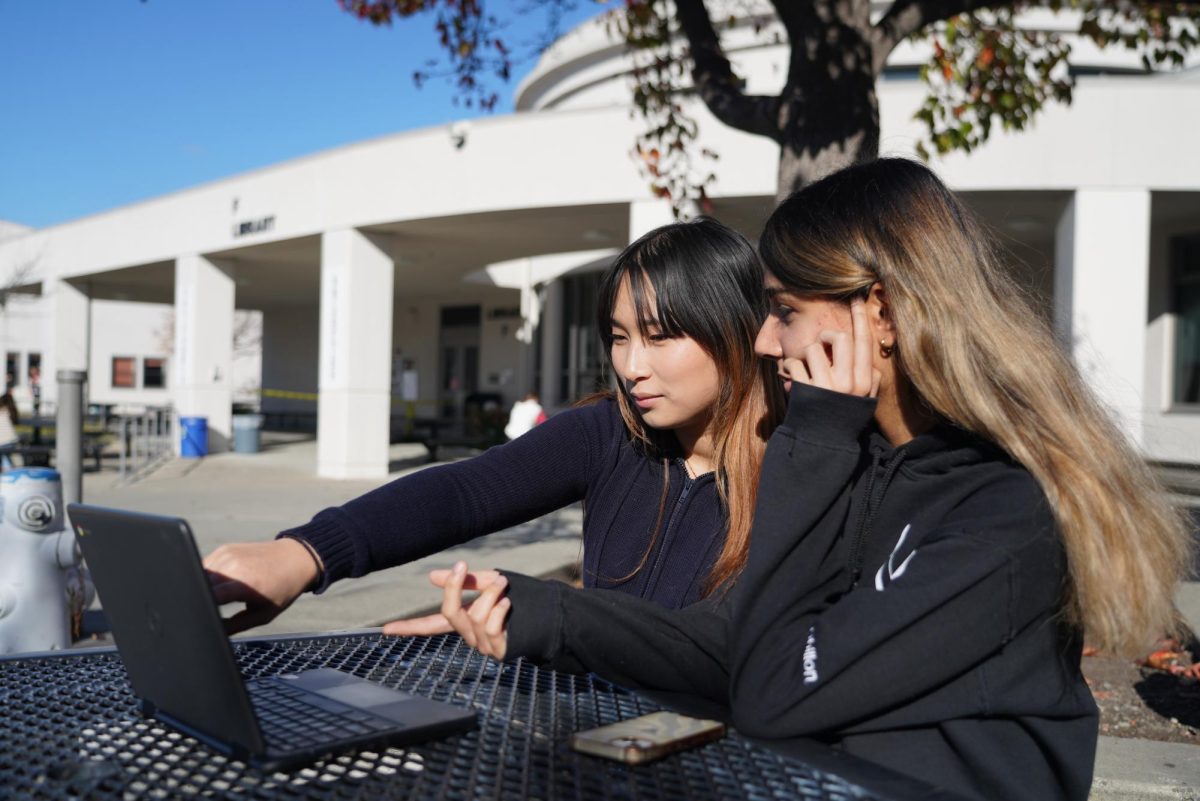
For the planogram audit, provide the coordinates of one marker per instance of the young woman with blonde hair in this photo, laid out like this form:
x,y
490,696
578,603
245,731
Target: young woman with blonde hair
x,y
667,465
943,515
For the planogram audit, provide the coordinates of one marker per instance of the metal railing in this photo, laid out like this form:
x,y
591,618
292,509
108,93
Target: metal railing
x,y
147,441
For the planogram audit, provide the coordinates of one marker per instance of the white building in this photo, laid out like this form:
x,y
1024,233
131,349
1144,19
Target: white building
x,y
411,271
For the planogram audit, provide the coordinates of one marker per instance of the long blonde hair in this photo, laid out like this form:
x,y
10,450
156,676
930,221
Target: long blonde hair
x,y
707,284
977,354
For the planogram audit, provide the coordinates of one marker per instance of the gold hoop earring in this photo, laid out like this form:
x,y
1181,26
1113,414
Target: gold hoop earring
x,y
886,350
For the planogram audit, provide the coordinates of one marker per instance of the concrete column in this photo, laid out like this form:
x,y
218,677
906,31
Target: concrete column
x,y
69,434
70,348
646,215
1101,285
552,355
203,359
354,409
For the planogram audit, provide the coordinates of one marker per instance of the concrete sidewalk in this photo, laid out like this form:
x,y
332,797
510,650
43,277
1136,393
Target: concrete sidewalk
x,y
240,497
232,497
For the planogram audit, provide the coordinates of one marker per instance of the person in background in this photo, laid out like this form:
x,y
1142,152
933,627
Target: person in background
x,y
666,465
525,414
944,513
8,431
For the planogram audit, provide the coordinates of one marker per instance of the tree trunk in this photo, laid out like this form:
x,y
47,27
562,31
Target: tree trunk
x,y
800,166
828,113
828,136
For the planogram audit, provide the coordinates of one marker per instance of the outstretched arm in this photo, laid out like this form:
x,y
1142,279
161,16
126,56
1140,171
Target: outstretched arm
x,y
415,516
631,641
434,509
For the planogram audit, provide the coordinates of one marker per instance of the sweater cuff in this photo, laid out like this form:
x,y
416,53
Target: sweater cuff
x,y
330,542
535,622
825,417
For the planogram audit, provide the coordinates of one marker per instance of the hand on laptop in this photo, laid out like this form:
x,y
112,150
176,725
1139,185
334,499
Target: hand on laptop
x,y
482,622
266,576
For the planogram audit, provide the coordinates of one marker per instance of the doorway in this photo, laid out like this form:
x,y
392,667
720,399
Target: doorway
x,y
459,363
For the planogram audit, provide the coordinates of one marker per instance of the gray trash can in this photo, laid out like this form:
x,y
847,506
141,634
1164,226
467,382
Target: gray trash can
x,y
246,435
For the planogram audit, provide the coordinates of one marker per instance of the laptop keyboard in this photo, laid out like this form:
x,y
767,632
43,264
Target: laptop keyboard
x,y
293,719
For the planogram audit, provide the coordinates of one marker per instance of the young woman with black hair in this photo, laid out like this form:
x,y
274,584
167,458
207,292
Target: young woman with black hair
x,y
9,417
667,466
943,514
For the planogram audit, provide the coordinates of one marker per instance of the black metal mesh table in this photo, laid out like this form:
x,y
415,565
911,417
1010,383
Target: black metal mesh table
x,y
70,728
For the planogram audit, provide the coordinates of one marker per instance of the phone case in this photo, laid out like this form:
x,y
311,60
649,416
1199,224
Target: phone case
x,y
646,738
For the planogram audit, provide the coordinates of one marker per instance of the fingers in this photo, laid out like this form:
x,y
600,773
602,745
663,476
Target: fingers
x,y
496,629
796,370
482,624
248,618
438,577
475,579
494,626
841,349
425,626
865,379
838,360
452,610
818,364
231,592
482,606
850,365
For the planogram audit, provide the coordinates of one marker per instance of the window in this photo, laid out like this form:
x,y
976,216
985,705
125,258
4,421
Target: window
x,y
33,368
1185,290
154,376
12,374
124,372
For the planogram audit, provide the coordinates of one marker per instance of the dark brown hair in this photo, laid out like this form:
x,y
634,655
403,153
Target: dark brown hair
x,y
707,285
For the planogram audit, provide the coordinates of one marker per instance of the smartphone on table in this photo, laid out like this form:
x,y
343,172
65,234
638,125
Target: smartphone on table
x,y
647,738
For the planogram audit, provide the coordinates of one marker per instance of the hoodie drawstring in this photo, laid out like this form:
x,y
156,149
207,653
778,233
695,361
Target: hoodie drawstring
x,y
867,511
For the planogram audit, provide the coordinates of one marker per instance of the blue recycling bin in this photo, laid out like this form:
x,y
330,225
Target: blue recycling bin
x,y
194,431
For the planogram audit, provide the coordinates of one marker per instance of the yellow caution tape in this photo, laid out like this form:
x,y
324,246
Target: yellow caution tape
x,y
291,394
287,393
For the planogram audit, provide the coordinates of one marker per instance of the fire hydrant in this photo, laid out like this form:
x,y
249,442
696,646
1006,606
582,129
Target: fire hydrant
x,y
43,586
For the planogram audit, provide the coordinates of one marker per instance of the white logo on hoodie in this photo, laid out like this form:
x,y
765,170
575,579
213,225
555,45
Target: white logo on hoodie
x,y
894,571
810,657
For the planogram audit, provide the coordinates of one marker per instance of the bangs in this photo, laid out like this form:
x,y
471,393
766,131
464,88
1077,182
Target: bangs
x,y
699,280
655,315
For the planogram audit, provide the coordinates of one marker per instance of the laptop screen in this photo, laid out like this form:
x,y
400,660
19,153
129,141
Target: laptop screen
x,y
160,606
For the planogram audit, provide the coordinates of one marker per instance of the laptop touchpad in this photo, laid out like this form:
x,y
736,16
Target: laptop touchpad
x,y
363,694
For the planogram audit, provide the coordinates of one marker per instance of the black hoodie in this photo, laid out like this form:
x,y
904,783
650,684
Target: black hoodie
x,y
903,604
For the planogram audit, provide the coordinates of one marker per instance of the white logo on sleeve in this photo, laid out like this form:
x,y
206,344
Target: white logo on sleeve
x,y
894,571
810,656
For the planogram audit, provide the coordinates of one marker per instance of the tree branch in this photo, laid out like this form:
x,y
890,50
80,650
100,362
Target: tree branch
x,y
789,17
715,81
906,17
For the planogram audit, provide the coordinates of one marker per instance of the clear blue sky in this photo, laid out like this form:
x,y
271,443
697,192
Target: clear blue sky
x,y
106,102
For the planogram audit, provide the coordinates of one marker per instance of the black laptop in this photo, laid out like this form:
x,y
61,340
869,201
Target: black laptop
x,y
169,633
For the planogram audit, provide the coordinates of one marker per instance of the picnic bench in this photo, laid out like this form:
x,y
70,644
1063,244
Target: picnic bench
x,y
437,432
40,454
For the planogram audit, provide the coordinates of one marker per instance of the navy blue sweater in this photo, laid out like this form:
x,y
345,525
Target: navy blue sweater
x,y
582,454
